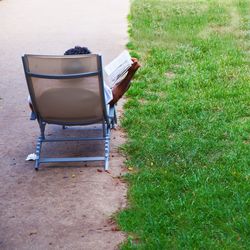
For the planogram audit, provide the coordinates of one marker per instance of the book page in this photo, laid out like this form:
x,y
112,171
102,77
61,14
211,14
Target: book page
x,y
118,67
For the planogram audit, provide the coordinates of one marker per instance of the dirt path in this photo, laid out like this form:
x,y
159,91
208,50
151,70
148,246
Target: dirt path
x,y
58,207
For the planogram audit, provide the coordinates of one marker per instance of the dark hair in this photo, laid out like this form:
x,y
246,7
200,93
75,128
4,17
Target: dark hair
x,y
77,51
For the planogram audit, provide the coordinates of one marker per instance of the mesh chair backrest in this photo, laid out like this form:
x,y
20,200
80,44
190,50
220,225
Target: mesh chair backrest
x,y
59,94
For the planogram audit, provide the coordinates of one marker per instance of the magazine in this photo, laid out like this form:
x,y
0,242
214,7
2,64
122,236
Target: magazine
x,y
118,67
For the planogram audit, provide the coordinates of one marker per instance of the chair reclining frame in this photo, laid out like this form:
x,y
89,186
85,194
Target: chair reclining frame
x,y
108,122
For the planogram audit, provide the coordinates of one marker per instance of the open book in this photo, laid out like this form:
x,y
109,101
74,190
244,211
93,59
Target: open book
x,y
118,67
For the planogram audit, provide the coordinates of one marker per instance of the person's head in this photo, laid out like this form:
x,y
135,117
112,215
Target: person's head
x,y
72,66
77,50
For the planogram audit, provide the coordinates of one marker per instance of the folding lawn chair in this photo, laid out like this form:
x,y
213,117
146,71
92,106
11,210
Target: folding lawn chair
x,y
68,91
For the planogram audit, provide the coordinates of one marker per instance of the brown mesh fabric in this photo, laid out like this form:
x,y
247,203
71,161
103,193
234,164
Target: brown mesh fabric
x,y
68,100
58,65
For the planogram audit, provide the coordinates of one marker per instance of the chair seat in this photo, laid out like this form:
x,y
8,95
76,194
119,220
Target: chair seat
x,y
68,104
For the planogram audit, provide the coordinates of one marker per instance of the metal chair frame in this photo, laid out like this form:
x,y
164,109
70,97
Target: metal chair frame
x,y
108,122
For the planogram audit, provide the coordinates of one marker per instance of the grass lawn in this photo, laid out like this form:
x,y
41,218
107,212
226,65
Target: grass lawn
x,y
188,124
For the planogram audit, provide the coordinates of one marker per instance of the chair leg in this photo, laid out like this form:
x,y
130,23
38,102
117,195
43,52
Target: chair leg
x,y
39,143
104,133
42,129
106,154
115,117
38,152
113,123
107,148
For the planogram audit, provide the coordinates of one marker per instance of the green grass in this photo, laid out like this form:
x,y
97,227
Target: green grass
x,y
188,123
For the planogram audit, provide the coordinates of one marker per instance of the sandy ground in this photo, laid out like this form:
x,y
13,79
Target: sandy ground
x,y
61,206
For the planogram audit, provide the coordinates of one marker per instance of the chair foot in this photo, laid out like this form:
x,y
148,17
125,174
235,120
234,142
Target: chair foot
x,y
106,167
37,165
